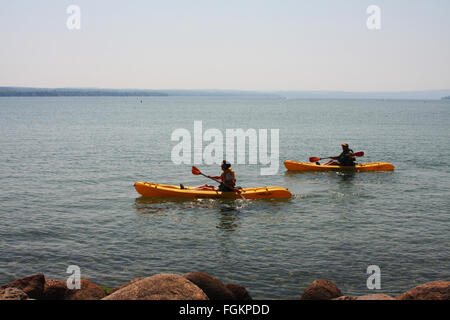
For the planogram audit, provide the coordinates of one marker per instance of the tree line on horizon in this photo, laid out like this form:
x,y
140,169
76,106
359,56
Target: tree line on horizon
x,y
72,92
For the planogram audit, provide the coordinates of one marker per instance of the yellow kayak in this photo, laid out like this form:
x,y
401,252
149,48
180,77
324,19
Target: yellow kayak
x,y
149,189
360,167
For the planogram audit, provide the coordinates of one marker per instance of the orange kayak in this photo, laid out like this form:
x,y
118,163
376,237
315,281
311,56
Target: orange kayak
x,y
149,189
360,167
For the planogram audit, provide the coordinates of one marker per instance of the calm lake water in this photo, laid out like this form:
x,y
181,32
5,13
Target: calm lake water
x,y
68,165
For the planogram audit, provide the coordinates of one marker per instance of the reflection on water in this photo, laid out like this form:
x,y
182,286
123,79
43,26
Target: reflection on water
x,y
228,218
150,205
346,177
227,209
222,204
332,176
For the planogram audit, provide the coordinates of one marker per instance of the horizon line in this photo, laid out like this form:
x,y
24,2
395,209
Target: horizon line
x,y
221,89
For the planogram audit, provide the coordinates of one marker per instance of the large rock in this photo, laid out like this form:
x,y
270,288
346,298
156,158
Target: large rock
x,y
436,290
126,285
345,298
321,290
12,293
54,290
33,286
375,296
239,292
211,286
160,287
88,291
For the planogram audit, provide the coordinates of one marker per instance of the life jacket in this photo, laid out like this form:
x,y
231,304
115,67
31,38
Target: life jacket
x,y
228,177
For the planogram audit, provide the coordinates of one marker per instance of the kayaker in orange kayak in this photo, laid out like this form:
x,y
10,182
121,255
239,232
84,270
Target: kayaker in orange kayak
x,y
227,179
346,158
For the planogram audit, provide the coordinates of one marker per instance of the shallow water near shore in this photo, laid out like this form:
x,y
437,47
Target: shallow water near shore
x,y
68,165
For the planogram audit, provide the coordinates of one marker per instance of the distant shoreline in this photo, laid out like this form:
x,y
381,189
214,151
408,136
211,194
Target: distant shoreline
x,y
72,92
99,92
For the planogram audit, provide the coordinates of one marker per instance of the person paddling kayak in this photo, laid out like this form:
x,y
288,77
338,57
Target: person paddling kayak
x,y
346,158
227,180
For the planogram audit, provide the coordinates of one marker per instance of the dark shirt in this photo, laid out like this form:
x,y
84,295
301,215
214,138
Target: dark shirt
x,y
345,159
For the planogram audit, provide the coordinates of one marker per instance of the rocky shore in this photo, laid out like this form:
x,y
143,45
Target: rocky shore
x,y
191,286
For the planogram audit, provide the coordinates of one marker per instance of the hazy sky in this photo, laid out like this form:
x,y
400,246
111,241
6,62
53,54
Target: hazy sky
x,y
209,44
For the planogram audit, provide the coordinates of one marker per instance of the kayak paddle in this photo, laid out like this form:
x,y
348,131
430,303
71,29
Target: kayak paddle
x,y
197,172
315,159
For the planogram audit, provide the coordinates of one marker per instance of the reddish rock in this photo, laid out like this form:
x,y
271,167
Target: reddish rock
x,y
54,290
211,286
12,293
159,287
126,284
345,298
375,296
321,290
436,290
239,292
88,291
33,286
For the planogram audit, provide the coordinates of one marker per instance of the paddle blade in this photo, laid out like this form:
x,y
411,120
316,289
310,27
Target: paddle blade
x,y
195,171
314,159
359,154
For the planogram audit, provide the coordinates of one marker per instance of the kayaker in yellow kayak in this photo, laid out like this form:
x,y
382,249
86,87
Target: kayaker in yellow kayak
x,y
346,158
227,179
